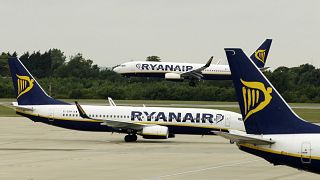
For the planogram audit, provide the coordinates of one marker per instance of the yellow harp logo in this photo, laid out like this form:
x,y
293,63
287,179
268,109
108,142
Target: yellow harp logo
x,y
25,84
260,55
255,97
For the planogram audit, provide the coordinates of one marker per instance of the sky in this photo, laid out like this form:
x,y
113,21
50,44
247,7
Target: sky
x,y
111,32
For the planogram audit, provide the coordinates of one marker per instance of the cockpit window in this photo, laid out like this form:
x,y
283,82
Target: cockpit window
x,y
122,65
240,119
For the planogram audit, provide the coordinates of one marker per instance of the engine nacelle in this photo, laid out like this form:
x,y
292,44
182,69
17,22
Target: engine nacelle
x,y
155,132
173,76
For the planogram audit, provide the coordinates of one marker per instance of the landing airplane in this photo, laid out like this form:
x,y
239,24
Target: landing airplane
x,y
191,71
149,122
273,131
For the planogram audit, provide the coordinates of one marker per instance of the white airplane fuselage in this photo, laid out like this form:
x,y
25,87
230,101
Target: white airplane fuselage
x,y
301,151
170,70
178,120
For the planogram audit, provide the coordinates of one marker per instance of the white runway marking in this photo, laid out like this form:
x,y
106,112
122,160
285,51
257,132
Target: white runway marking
x,y
204,169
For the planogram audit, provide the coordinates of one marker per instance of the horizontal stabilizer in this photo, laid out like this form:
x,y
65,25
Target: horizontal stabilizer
x,y
15,104
242,137
264,69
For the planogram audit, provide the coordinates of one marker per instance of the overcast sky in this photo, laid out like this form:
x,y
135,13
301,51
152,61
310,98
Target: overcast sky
x,y
116,31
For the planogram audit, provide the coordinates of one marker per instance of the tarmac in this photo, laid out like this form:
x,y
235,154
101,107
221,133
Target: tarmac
x,y
36,151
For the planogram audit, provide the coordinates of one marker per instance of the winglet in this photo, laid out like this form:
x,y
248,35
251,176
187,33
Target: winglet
x,y
209,62
242,137
81,111
111,102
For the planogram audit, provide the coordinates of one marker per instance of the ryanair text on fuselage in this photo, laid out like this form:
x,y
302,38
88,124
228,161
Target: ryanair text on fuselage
x,y
177,117
162,67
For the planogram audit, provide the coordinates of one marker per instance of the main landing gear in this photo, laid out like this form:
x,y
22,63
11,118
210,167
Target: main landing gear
x,y
130,138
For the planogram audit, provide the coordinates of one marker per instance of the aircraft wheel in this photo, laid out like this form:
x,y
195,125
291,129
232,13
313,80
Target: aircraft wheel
x,y
134,137
130,138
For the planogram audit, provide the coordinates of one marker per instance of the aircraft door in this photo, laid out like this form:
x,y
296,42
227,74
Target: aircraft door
x,y
51,116
227,120
306,152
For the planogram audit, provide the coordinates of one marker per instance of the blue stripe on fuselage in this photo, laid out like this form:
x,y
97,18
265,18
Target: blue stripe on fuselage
x,y
162,75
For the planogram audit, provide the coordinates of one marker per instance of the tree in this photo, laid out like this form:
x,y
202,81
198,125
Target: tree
x,y
57,58
4,68
153,58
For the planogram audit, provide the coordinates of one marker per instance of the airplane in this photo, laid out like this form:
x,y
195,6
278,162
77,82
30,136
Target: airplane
x,y
191,71
149,122
273,130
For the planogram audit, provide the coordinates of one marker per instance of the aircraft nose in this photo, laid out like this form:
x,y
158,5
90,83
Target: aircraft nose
x,y
116,69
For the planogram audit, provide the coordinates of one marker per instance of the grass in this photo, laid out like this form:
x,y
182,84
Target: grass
x,y
311,115
7,111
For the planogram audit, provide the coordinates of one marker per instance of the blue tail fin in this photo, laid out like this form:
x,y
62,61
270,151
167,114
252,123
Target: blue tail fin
x,y
259,57
27,89
263,109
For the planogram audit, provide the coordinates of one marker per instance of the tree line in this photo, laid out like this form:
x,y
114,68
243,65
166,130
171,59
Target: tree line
x,y
78,77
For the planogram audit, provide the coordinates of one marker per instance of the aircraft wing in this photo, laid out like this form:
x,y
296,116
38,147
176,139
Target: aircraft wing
x,y
196,73
112,123
241,137
123,125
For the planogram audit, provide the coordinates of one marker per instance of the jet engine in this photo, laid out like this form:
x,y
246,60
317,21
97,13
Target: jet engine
x,y
155,132
173,76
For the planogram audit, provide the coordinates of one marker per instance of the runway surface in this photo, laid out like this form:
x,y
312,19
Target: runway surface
x,y
33,151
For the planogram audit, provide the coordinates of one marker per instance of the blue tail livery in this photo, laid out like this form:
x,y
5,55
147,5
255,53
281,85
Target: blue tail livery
x,y
259,57
27,89
263,109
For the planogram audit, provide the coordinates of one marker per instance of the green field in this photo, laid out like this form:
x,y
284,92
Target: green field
x,y
7,111
307,111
